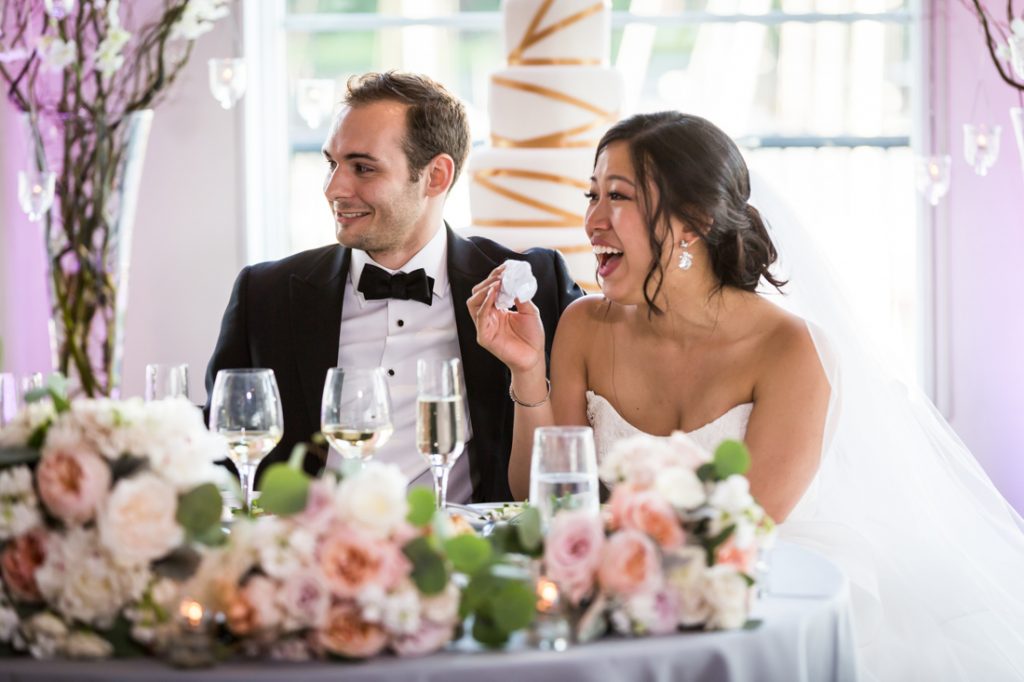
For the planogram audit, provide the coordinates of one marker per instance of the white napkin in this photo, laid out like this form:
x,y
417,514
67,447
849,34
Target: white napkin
x,y
517,281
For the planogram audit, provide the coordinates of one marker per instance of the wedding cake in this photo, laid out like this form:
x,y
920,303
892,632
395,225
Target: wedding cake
x,y
547,110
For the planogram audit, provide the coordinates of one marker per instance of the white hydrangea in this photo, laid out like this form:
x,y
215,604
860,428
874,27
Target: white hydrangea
x,y
84,583
20,429
19,507
198,18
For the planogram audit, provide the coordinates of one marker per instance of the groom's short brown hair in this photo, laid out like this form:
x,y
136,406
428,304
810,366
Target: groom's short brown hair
x,y
435,120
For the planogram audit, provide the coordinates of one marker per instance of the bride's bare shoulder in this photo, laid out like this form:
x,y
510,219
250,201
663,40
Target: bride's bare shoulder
x,y
786,342
587,312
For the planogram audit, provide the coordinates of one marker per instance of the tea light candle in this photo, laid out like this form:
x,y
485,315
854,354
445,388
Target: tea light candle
x,y
550,629
192,614
547,596
982,141
193,645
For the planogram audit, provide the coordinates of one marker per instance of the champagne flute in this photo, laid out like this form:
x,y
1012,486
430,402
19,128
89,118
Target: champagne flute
x,y
246,409
355,413
166,381
563,471
441,426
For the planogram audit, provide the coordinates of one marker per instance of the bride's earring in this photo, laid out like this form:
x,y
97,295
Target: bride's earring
x,y
686,258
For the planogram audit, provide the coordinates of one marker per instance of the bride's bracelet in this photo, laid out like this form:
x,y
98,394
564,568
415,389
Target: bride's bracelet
x,y
517,401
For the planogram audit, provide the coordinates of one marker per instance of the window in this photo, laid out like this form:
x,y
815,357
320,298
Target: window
x,y
819,93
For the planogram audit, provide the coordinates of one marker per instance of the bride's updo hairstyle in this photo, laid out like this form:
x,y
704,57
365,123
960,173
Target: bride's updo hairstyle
x,y
701,179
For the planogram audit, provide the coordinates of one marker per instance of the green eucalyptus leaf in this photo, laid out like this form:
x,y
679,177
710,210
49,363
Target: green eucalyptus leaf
x,y
428,569
528,530
752,624
706,472
513,606
179,565
468,553
712,543
19,455
487,632
127,465
284,491
200,508
731,457
120,637
214,536
477,593
421,507
38,436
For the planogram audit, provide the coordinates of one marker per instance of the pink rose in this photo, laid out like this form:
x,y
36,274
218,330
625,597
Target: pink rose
x,y
347,634
19,562
648,512
655,612
742,560
351,560
629,564
139,523
572,552
72,483
305,599
320,509
261,594
426,640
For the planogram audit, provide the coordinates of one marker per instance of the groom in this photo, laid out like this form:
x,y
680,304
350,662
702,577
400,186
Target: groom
x,y
395,288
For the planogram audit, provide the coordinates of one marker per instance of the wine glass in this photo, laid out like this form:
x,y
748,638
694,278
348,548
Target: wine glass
x,y
355,413
246,409
563,471
441,426
166,381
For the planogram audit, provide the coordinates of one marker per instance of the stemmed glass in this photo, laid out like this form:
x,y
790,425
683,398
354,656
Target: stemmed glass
x,y
166,381
563,471
228,80
441,426
246,409
35,192
355,413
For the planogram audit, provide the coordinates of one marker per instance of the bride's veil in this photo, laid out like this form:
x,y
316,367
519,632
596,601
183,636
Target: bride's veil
x,y
934,554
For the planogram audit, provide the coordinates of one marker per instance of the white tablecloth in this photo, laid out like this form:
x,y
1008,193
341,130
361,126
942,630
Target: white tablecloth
x,y
805,635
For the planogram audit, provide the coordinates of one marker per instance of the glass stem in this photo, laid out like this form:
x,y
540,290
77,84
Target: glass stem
x,y
247,476
440,485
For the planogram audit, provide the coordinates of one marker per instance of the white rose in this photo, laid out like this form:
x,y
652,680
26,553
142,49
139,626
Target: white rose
x,y
180,449
402,610
87,645
687,452
732,495
374,499
138,523
633,459
729,595
687,578
680,487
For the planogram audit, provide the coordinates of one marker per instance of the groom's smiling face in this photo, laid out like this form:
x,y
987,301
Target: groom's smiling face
x,y
616,226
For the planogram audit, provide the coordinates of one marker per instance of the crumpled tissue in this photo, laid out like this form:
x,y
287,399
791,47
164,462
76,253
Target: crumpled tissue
x,y
517,281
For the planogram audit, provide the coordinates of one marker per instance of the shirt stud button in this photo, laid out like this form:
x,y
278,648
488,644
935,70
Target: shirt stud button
x,y
391,372
401,323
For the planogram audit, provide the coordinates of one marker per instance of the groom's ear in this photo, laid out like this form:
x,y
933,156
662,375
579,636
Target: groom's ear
x,y
440,175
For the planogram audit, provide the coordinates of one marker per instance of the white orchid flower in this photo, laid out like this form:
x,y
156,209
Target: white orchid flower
x,y
1017,26
198,18
108,55
56,53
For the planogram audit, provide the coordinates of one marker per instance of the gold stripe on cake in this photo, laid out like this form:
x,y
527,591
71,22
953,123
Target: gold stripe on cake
x,y
560,138
560,217
550,94
533,36
555,61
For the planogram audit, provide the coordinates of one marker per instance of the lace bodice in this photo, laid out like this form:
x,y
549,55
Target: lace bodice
x,y
609,426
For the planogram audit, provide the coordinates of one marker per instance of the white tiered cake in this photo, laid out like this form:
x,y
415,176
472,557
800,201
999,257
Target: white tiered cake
x,y
548,110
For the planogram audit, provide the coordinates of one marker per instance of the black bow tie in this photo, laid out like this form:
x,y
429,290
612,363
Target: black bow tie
x,y
376,283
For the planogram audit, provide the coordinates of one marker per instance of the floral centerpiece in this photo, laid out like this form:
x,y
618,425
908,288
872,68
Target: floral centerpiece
x,y
101,505
86,75
676,547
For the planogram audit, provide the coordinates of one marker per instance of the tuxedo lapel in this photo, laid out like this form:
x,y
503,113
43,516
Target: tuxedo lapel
x,y
316,299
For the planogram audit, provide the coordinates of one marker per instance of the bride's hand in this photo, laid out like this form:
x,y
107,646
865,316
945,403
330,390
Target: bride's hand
x,y
514,337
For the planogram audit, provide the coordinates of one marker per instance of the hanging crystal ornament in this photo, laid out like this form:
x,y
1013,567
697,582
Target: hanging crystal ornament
x,y
981,146
932,176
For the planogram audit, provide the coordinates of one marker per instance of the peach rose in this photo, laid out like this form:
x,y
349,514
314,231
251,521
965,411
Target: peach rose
x,y
72,483
351,560
572,552
239,613
728,554
648,512
629,564
347,634
19,562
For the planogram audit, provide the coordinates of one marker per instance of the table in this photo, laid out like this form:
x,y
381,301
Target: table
x,y
805,636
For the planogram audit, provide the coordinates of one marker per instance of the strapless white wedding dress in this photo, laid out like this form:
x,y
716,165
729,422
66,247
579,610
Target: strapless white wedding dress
x,y
911,624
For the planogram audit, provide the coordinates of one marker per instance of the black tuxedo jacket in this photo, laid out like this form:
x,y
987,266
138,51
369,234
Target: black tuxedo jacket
x,y
286,315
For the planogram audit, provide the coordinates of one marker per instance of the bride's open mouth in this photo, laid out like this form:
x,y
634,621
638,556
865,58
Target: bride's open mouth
x,y
608,259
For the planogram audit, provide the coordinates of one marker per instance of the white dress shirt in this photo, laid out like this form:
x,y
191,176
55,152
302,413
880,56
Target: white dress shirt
x,y
393,334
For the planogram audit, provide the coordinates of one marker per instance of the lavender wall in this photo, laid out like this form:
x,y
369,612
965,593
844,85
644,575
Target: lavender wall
x,y
986,247
187,240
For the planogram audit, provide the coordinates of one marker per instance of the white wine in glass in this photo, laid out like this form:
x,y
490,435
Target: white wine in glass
x,y
355,413
245,408
441,427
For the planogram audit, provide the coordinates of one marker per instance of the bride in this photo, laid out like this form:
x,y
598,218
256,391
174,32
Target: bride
x,y
851,463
